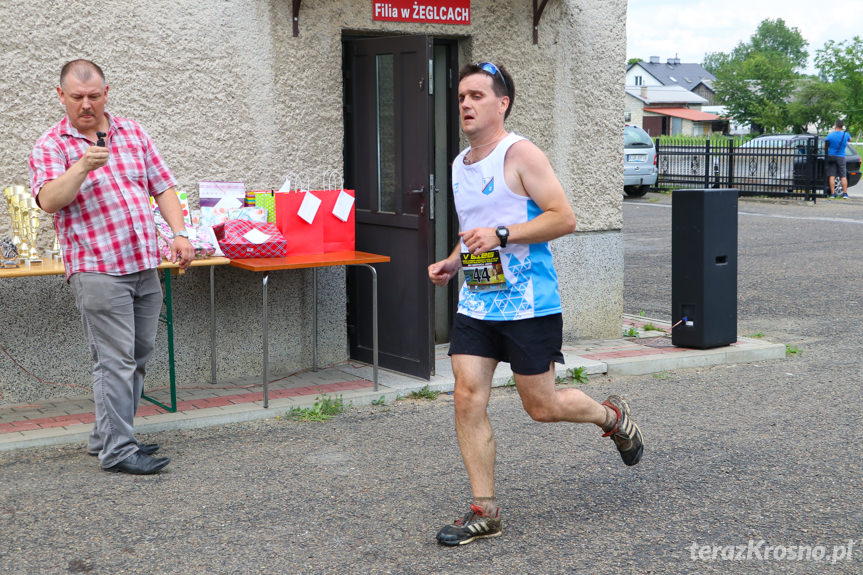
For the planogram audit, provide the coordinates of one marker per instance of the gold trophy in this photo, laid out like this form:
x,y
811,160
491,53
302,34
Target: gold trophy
x,y
24,213
12,203
9,246
55,247
33,230
22,217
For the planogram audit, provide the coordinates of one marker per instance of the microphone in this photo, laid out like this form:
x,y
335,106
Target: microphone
x,y
101,141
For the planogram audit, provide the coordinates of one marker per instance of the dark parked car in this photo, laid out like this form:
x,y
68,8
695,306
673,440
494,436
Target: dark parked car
x,y
793,158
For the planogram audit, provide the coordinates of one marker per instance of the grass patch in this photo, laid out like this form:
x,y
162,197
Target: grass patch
x,y
325,407
424,393
577,375
379,401
758,335
574,376
651,327
661,375
631,332
791,350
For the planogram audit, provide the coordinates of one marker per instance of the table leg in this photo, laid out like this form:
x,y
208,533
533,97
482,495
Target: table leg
x,y
213,325
169,312
374,273
169,323
374,326
266,343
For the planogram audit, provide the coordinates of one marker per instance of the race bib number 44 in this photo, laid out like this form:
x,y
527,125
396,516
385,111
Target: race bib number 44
x,y
483,272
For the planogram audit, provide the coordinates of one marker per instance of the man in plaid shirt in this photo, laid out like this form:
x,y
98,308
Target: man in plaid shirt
x,y
96,173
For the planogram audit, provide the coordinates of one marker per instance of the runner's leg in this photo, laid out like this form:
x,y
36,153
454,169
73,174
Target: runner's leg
x,y
473,377
543,402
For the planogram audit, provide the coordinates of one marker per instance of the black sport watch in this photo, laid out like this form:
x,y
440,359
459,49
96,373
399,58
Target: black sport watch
x,y
502,235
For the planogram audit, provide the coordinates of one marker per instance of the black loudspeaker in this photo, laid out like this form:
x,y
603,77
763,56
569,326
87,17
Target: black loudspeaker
x,y
704,268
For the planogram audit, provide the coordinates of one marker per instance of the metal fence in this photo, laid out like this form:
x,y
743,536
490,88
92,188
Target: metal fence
x,y
773,168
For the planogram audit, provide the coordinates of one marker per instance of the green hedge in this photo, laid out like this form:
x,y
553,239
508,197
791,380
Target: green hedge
x,y
715,140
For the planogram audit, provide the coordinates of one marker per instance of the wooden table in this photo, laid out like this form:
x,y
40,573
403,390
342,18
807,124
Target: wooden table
x,y
45,268
347,258
51,267
55,267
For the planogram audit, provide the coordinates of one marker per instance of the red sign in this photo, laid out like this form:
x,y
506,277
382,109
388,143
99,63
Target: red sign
x,y
429,11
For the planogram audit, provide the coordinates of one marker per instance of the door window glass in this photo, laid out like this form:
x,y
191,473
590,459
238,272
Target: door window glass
x,y
386,133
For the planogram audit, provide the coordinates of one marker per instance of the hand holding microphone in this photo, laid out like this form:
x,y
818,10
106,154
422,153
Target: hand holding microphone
x,y
96,156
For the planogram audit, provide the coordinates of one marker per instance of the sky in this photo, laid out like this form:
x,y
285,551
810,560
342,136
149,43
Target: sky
x,y
689,29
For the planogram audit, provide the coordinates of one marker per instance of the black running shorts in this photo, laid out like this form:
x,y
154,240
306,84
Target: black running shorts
x,y
528,345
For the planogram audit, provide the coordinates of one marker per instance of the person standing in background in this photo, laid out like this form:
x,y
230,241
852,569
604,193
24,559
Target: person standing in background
x,y
834,166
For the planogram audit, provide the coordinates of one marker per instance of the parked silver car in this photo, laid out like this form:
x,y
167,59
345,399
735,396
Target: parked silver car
x,y
639,162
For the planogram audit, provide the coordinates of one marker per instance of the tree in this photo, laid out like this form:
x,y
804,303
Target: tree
x,y
842,64
632,61
775,36
818,103
756,80
714,60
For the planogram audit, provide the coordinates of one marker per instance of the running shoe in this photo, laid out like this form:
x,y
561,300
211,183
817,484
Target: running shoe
x,y
844,196
473,525
625,433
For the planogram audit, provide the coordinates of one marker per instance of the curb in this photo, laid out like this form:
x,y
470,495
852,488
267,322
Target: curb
x,y
647,353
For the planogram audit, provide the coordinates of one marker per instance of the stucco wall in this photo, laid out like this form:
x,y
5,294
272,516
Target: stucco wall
x,y
227,93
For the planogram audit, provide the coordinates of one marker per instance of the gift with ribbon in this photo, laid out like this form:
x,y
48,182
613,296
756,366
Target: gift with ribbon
x,y
165,238
245,239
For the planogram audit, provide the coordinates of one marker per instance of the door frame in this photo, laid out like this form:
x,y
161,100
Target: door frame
x,y
452,149
444,52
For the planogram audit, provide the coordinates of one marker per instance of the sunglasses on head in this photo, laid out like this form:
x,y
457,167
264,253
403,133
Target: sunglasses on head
x,y
493,70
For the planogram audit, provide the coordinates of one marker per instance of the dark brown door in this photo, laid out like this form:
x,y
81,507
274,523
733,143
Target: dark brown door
x,y
388,161
653,125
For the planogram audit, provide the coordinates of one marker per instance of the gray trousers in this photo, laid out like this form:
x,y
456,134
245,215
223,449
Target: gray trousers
x,y
120,315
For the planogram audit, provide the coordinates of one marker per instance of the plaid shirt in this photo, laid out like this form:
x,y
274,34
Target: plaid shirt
x,y
108,228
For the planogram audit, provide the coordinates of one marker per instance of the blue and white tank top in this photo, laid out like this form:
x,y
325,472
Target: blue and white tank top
x,y
482,199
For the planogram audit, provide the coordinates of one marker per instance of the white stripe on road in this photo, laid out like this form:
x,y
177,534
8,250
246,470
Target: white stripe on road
x,y
779,216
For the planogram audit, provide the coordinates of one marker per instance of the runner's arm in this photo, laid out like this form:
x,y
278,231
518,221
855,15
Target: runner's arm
x,y
529,173
440,273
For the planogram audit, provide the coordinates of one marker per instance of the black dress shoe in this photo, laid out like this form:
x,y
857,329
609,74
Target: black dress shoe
x,y
145,448
140,464
148,448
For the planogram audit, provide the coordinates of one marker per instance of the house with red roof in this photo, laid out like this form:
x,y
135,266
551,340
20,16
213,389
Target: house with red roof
x,y
667,99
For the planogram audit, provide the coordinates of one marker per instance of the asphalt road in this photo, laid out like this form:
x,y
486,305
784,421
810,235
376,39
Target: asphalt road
x,y
749,468
856,190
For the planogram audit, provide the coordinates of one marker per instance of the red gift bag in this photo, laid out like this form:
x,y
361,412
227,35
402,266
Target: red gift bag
x,y
301,236
236,242
339,234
